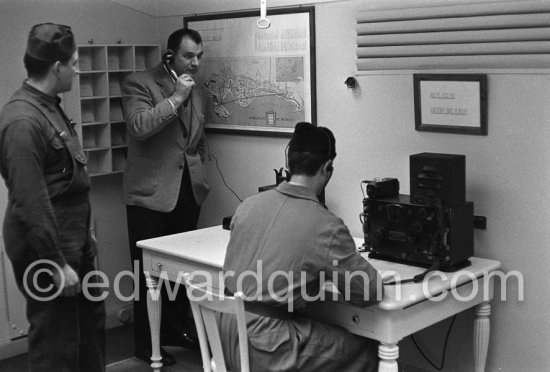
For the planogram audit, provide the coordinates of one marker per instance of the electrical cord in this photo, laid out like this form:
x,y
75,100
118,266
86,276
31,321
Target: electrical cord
x,y
441,233
440,368
417,278
210,156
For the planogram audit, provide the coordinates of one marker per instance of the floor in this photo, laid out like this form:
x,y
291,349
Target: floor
x,y
120,356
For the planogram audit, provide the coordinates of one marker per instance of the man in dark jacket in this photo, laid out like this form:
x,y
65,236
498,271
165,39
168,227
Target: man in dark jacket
x,y
47,222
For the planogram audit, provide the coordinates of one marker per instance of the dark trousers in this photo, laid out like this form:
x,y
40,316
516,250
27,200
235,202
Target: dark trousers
x,y
66,334
144,223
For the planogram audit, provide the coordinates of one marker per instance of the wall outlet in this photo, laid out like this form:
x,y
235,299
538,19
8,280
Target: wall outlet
x,y
480,222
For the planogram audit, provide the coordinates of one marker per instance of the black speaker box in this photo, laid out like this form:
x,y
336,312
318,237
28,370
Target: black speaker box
x,y
438,175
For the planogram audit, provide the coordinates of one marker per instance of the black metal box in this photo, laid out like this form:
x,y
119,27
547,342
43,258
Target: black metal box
x,y
438,175
397,229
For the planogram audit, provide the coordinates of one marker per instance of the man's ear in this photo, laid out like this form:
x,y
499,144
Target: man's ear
x,y
328,166
56,67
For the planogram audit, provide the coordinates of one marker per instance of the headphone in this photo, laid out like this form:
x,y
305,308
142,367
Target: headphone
x,y
329,168
167,60
168,57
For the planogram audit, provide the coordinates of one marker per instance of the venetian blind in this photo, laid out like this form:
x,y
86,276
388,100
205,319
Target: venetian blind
x,y
482,35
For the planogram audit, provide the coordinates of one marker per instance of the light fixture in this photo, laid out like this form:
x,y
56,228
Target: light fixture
x,y
263,22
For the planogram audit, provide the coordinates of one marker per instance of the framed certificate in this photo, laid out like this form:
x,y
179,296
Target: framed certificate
x,y
450,103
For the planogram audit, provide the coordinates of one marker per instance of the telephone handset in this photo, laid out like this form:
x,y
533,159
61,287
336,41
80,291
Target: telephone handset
x,y
167,59
172,73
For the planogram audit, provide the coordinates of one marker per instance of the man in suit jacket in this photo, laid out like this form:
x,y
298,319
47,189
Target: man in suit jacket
x,y
164,183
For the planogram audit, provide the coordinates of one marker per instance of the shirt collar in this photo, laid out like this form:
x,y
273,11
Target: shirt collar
x,y
41,96
296,191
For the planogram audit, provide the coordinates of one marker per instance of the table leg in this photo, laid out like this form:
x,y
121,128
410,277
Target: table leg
x,y
388,354
154,304
482,329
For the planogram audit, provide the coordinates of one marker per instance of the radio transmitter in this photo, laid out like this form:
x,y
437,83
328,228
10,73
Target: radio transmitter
x,y
434,226
420,234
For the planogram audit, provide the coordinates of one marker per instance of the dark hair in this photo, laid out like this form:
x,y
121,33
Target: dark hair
x,y
305,163
37,69
174,40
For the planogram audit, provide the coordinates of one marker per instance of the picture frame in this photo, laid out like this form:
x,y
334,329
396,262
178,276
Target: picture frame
x,y
450,103
257,81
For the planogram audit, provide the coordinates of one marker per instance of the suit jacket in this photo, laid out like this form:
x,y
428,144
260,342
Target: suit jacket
x,y
161,142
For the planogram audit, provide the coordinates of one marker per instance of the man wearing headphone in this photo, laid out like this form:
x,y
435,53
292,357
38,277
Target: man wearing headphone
x,y
164,182
283,244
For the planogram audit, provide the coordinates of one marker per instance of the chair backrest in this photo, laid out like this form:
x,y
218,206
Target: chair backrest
x,y
204,304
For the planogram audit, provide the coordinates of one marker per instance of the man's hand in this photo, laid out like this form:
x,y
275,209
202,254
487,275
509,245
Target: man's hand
x,y
183,88
71,286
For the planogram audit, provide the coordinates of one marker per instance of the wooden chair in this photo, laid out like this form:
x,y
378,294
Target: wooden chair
x,y
204,304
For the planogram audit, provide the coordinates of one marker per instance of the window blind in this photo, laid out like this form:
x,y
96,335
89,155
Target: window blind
x,y
481,35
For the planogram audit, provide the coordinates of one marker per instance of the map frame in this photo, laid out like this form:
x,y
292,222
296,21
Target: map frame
x,y
288,18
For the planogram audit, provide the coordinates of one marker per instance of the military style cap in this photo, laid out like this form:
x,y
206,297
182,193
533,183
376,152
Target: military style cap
x,y
49,42
310,138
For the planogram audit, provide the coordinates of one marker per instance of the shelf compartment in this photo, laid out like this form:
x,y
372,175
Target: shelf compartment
x,y
93,110
119,159
119,57
91,58
96,137
146,56
92,85
99,161
96,101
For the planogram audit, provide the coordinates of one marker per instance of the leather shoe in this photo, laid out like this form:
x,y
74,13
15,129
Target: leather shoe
x,y
145,355
182,339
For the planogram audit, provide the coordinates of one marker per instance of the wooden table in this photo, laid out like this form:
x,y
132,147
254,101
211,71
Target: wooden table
x,y
404,309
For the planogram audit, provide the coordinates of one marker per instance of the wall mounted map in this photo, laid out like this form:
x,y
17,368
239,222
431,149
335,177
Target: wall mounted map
x,y
258,81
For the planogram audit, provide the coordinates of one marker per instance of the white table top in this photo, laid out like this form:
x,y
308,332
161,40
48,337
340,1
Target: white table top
x,y
205,246
208,246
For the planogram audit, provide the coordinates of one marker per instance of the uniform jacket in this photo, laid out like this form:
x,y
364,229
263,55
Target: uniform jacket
x,y
285,234
43,165
160,142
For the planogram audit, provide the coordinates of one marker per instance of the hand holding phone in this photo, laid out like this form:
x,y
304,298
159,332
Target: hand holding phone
x,y
184,85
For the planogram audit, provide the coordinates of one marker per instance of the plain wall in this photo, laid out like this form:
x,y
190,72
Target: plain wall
x,y
507,176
